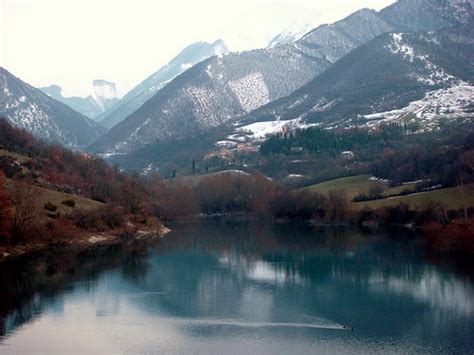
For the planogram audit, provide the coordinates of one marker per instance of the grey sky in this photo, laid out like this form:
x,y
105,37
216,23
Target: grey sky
x,y
72,42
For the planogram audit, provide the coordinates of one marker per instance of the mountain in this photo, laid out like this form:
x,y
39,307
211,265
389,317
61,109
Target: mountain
x,y
417,77
27,107
223,90
214,92
136,97
290,35
337,39
104,96
427,15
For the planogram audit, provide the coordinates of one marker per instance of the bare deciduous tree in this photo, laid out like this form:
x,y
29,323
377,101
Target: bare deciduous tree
x,y
25,212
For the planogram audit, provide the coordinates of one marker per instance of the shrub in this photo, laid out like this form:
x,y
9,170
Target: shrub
x,y
339,209
113,216
50,207
451,237
433,212
69,203
88,220
376,189
5,210
54,215
61,229
104,218
301,205
26,217
361,198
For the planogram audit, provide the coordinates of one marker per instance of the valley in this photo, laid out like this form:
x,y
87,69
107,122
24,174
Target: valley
x,y
219,177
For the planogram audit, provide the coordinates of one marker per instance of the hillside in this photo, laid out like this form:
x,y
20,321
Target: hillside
x,y
453,198
356,185
52,195
46,195
29,108
399,77
232,89
135,98
214,92
103,97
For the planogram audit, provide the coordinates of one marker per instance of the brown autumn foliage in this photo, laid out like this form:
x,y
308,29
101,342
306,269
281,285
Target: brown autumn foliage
x,y
339,209
134,196
26,214
298,205
5,209
172,201
453,237
233,192
131,196
107,217
61,229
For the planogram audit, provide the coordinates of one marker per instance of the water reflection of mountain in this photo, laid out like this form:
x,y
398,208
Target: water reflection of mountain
x,y
252,273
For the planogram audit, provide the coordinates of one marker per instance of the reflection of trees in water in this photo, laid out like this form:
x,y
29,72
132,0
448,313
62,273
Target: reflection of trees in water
x,y
134,265
29,284
254,270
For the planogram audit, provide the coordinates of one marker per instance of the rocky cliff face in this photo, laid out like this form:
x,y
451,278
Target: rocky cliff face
x,y
104,95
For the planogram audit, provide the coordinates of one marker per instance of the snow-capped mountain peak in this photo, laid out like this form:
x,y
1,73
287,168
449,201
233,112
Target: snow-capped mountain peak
x,y
290,35
185,60
220,48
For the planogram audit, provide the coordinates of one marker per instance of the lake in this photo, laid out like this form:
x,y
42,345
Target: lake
x,y
239,287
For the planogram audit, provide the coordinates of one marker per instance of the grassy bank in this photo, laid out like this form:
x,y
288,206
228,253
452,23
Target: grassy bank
x,y
356,185
453,197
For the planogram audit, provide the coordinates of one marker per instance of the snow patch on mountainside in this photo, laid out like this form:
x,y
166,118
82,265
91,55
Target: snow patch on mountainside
x,y
443,104
35,120
323,105
259,131
397,46
436,74
251,91
290,35
185,66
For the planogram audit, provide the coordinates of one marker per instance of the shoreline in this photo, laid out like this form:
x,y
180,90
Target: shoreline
x,y
85,241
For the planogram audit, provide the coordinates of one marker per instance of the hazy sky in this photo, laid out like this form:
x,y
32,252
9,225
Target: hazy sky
x,y
72,42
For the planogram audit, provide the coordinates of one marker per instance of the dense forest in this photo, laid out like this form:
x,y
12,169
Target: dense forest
x,y
391,152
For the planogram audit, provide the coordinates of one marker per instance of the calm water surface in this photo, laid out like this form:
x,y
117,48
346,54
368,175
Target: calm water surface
x,y
238,288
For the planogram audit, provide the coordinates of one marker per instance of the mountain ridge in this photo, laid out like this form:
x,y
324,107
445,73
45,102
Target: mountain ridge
x,y
103,96
136,97
414,65
30,108
238,83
